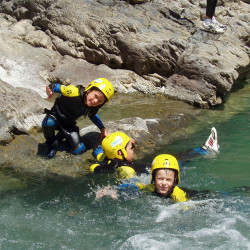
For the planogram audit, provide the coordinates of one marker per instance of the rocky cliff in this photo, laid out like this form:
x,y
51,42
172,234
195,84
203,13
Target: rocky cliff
x,y
154,47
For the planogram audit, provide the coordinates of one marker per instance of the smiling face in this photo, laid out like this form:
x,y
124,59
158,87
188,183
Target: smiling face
x,y
164,180
94,98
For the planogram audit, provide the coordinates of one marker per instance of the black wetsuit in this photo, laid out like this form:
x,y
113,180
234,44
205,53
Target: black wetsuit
x,y
63,115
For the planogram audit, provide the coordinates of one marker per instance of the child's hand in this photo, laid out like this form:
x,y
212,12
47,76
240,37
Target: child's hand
x,y
104,133
49,92
107,191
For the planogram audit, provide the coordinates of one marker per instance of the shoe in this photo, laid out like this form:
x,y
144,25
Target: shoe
x,y
222,26
209,26
52,149
212,141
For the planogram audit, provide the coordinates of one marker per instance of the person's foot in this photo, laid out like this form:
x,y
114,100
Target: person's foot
x,y
210,26
222,26
52,149
212,141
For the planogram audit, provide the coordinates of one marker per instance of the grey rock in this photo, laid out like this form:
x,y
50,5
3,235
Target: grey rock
x,y
18,115
155,47
153,37
26,153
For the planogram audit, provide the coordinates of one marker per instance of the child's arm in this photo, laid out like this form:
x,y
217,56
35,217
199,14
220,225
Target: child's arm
x,y
98,168
98,122
134,186
179,195
69,90
53,88
113,191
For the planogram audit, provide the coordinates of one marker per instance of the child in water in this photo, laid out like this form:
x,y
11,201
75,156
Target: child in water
x,y
165,173
73,103
165,176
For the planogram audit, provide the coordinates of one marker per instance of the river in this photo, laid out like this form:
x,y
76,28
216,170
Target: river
x,y
48,214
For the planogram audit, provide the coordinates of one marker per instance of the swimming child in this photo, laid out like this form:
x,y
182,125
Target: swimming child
x,y
73,103
165,176
118,147
119,151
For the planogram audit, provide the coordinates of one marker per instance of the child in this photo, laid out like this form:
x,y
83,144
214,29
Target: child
x,y
165,176
119,151
118,148
68,107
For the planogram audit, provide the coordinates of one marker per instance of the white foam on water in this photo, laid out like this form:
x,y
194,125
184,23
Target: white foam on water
x,y
168,212
221,236
210,225
150,241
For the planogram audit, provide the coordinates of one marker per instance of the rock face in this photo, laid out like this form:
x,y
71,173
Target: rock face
x,y
148,46
17,116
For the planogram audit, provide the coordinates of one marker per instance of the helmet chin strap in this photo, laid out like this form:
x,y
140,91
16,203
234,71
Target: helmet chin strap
x,y
120,153
175,182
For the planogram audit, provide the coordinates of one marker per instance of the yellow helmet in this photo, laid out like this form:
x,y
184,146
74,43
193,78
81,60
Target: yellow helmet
x,y
104,86
165,161
115,142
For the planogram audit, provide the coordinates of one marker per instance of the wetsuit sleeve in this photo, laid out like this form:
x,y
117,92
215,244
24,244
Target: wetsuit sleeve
x,y
55,88
70,91
97,121
125,172
97,168
128,186
133,186
179,195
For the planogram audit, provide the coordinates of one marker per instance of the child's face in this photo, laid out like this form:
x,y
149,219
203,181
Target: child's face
x,y
164,180
94,98
130,150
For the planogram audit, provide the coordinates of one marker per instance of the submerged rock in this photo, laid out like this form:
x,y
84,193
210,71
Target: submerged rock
x,y
26,154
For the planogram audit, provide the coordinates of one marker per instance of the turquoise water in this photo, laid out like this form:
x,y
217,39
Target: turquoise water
x,y
45,214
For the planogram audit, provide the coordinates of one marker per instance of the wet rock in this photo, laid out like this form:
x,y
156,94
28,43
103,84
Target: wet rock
x,y
153,47
27,153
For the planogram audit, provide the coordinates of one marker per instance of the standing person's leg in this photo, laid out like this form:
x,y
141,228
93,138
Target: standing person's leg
x,y
210,23
210,10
